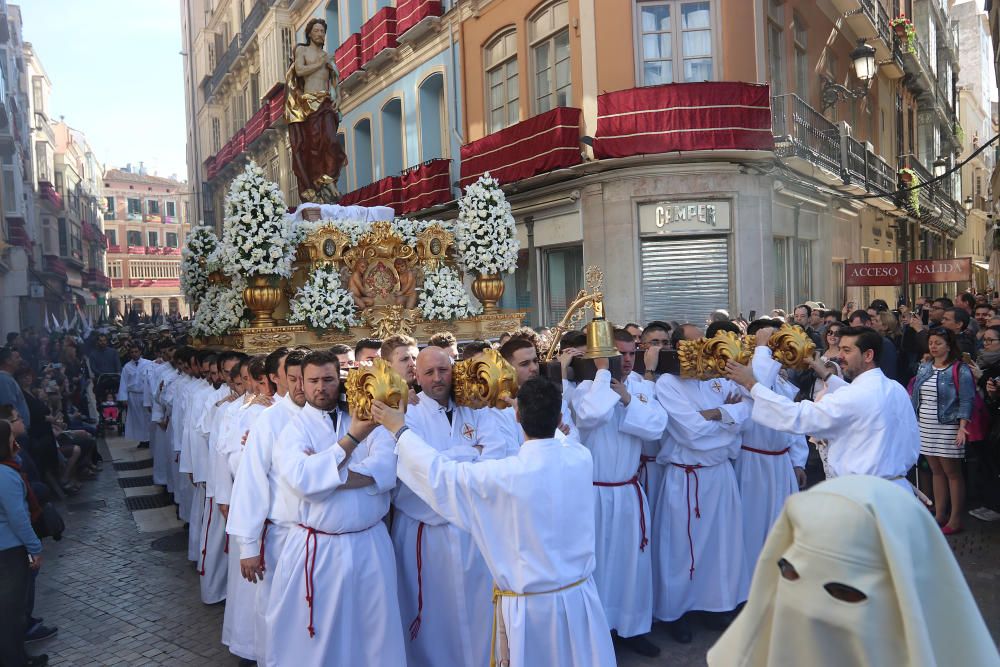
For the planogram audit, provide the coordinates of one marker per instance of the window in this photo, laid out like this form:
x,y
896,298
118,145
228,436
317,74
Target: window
x,y
152,207
109,213
42,161
134,208
112,236
501,81
211,57
171,209
216,136
37,98
430,94
9,192
115,269
134,238
362,153
562,280
153,240
173,305
675,38
63,238
549,33
802,77
172,240
775,47
392,138
286,45
255,91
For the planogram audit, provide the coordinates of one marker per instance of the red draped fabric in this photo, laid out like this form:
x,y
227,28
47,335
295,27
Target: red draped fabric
x,y
683,117
276,106
411,12
426,185
384,192
348,56
378,33
548,141
258,123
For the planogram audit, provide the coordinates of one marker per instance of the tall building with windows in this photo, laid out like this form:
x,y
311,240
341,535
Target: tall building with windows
x,y
707,153
145,222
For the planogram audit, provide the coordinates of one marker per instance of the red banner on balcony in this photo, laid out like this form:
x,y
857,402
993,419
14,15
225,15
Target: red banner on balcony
x,y
426,185
384,192
953,270
683,117
548,141
258,123
348,56
18,233
54,265
378,33
870,274
411,12
276,105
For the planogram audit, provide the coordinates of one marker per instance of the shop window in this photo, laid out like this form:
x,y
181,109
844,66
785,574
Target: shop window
x,y
674,40
501,81
562,279
392,138
431,108
548,30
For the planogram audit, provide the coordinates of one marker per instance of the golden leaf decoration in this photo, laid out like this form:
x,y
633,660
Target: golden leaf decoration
x,y
378,382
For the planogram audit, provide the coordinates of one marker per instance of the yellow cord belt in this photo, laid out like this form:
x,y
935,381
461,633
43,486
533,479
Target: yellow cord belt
x,y
497,617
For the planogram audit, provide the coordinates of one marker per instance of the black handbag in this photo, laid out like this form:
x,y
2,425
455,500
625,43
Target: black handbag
x,y
50,523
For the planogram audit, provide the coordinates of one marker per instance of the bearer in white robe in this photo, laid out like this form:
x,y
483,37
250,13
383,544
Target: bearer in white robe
x,y
333,600
699,526
614,417
263,507
132,391
869,424
771,464
444,584
521,353
183,489
160,380
239,620
655,337
194,449
539,547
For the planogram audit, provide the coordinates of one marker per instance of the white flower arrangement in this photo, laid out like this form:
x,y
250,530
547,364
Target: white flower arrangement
x,y
257,238
409,229
443,296
487,239
322,303
197,257
220,311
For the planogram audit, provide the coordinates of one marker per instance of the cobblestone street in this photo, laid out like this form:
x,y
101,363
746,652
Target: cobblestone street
x,y
124,597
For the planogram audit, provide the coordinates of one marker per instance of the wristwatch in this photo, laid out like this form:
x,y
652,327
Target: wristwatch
x,y
402,429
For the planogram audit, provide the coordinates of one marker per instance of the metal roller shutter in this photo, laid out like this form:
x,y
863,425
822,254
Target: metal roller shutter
x,y
684,279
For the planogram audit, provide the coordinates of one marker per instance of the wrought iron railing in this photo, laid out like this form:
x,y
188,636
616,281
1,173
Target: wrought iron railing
x,y
802,131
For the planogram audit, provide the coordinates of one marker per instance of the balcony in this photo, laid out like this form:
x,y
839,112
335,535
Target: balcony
x,y
54,265
938,209
683,117
866,172
415,18
136,250
17,233
49,194
869,18
222,67
348,59
152,282
114,249
426,185
378,38
540,144
96,280
170,251
271,113
384,192
253,20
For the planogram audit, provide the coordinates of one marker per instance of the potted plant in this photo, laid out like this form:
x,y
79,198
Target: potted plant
x,y
911,183
487,241
905,33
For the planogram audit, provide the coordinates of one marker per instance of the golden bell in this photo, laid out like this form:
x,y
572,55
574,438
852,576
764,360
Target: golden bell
x,y
600,340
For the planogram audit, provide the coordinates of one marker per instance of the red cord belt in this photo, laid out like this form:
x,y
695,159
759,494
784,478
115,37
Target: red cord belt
x,y
642,512
643,473
204,543
688,472
310,566
765,452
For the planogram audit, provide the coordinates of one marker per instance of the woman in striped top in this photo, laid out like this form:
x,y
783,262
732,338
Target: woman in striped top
x,y
942,397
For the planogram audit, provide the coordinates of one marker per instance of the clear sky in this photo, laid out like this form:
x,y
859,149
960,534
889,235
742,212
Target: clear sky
x,y
117,76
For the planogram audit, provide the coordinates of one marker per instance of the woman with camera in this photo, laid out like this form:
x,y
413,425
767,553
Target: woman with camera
x,y
942,395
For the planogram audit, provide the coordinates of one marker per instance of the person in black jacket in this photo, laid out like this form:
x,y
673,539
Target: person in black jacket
x,y
984,459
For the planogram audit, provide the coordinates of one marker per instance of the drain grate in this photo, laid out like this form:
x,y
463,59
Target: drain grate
x,y
86,505
132,482
134,465
149,502
171,543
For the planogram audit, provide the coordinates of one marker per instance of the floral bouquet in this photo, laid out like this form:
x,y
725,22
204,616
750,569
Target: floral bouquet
x,y
322,303
487,241
220,311
197,256
443,296
257,239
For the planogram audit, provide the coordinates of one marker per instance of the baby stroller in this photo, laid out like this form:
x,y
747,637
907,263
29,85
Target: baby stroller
x,y
106,389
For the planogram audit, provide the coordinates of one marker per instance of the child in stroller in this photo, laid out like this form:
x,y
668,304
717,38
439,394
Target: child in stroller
x,y
110,414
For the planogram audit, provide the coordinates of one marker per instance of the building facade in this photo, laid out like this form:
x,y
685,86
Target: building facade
x,y
145,222
707,153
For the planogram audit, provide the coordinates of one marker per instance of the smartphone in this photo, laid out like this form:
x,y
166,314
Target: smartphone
x,y
925,316
753,315
966,358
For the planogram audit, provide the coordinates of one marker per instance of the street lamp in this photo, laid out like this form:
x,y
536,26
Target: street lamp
x,y
863,60
940,166
967,203
863,57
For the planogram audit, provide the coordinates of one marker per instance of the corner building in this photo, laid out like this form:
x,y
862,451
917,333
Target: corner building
x,y
706,153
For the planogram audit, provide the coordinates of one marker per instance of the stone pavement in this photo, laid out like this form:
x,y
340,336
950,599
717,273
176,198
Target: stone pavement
x,y
124,597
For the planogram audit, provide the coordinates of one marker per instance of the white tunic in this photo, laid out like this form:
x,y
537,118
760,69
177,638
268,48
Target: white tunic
x,y
532,539
614,433
340,557
132,388
452,579
183,489
214,566
699,526
766,480
160,379
869,424
260,495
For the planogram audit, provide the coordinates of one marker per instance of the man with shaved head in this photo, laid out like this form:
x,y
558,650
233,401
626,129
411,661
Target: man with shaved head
x,y
444,585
